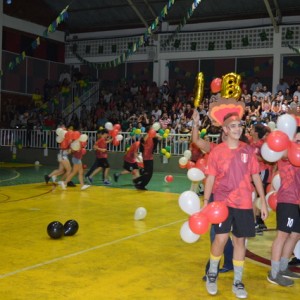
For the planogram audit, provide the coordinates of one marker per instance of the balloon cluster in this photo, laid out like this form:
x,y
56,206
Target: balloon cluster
x,y
166,151
71,139
164,133
271,196
280,142
186,163
114,132
229,86
56,229
199,221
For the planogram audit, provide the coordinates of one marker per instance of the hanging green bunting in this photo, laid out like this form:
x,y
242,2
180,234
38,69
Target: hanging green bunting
x,y
289,34
245,41
228,45
263,36
211,46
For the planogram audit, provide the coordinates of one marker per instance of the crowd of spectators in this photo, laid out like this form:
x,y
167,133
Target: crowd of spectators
x,y
134,105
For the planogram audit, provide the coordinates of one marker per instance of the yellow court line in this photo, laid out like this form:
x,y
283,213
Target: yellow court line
x,y
48,262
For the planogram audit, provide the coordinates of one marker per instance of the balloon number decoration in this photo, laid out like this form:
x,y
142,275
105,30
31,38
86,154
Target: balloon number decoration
x,y
199,89
231,86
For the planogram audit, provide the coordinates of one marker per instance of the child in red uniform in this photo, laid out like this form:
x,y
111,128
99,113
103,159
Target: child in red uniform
x,y
148,145
130,165
288,222
101,161
259,133
231,166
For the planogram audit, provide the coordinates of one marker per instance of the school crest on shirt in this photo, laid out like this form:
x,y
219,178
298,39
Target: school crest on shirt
x,y
244,157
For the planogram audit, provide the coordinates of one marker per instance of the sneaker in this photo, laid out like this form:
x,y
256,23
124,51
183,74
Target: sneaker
x,y
106,182
238,289
71,184
53,179
63,186
84,187
294,262
289,274
279,280
116,177
258,231
226,269
211,283
47,178
261,223
89,179
140,187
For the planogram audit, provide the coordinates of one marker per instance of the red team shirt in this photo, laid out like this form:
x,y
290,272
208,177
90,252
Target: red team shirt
x,y
130,155
101,143
232,169
289,191
148,149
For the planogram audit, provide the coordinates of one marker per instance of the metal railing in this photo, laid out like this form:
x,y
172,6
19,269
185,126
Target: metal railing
x,y
20,138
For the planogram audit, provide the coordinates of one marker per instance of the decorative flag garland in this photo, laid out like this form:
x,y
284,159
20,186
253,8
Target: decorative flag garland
x,y
51,28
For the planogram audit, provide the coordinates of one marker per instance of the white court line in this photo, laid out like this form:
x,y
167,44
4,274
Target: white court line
x,y
18,175
48,262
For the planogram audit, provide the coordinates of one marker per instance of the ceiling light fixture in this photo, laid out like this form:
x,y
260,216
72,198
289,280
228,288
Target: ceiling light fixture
x,y
8,1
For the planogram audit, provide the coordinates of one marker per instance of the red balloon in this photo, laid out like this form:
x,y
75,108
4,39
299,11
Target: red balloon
x,y
198,223
151,133
116,142
83,151
294,154
201,164
182,166
83,144
278,141
75,135
190,164
169,178
65,144
117,126
217,212
216,85
114,132
272,201
69,135
269,188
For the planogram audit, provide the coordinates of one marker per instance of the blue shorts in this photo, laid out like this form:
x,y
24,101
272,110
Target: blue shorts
x,y
76,161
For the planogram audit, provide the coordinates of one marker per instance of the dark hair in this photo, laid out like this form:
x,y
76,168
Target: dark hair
x,y
261,130
102,131
229,115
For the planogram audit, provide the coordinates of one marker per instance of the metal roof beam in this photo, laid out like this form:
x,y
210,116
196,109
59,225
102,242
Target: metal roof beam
x,y
274,22
138,13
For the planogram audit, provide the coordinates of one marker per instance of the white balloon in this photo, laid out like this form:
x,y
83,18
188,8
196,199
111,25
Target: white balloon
x,y
119,137
276,182
187,154
37,163
183,161
187,234
258,203
75,145
156,126
83,137
297,250
140,213
271,125
58,130
59,139
189,202
270,155
195,174
109,126
287,124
